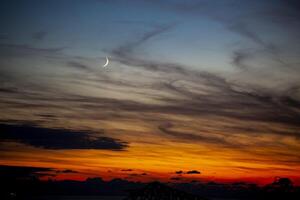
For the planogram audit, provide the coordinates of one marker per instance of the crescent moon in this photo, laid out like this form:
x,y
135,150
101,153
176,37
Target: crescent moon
x,y
106,63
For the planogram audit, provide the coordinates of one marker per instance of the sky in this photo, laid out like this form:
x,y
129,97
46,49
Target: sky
x,y
194,90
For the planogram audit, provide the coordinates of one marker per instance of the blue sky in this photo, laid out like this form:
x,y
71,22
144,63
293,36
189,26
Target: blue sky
x,y
94,28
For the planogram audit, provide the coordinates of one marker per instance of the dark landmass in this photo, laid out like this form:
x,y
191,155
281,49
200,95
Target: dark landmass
x,y
159,191
24,183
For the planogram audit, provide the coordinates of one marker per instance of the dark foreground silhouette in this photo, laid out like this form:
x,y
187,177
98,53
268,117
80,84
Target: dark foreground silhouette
x,y
27,188
24,183
159,191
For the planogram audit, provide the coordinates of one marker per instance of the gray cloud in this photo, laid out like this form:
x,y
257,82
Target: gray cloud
x,y
242,29
127,49
78,65
240,57
14,50
216,97
40,35
166,128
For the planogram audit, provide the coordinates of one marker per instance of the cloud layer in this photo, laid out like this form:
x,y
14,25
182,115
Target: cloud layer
x,y
57,138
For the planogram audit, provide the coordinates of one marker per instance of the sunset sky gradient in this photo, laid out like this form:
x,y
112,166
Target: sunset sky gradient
x,y
211,86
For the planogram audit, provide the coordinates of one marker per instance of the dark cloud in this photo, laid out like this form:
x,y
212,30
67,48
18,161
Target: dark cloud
x,y
127,170
23,171
290,102
78,65
67,171
286,13
9,90
193,172
47,116
137,175
57,138
264,105
39,35
187,172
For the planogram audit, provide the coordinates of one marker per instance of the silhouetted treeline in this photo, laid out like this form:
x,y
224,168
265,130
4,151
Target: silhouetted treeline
x,y
281,188
92,186
159,191
20,184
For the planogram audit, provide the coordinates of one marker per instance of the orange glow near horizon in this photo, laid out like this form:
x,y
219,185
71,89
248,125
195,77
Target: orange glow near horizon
x,y
149,162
